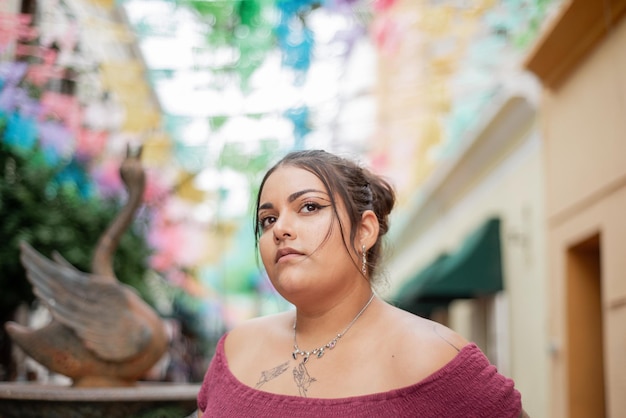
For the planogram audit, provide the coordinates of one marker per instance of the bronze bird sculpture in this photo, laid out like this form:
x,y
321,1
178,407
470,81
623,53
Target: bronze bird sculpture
x,y
102,334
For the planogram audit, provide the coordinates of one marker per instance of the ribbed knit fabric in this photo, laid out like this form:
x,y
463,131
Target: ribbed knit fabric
x,y
468,387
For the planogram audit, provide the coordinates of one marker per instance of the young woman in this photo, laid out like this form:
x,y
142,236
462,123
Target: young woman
x,y
344,352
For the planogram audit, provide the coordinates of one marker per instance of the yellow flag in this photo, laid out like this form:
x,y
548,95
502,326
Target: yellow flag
x,y
157,149
116,75
106,30
186,189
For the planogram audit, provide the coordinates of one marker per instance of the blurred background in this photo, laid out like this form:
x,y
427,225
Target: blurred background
x,y
501,124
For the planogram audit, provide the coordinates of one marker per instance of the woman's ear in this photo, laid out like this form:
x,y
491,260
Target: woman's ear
x,y
368,229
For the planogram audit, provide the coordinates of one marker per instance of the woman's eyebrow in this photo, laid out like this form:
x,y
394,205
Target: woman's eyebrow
x,y
292,197
296,195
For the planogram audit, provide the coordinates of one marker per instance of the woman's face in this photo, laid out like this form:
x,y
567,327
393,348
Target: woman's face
x,y
301,243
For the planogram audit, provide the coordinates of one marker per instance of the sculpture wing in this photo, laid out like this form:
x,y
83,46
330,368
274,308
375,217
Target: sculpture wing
x,y
98,309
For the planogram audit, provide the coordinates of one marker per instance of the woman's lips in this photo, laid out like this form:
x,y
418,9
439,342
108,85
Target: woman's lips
x,y
286,252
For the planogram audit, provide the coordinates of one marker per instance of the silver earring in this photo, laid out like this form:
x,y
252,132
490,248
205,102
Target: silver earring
x,y
363,260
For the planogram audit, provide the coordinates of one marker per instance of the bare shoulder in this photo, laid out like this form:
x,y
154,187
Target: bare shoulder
x,y
424,331
259,333
419,346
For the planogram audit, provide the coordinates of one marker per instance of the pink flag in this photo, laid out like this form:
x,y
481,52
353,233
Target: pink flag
x,y
14,28
63,107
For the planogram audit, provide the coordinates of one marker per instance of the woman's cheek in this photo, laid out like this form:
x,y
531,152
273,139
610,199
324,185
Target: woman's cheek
x,y
264,250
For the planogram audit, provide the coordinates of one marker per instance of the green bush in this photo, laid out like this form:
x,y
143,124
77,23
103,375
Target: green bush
x,y
60,216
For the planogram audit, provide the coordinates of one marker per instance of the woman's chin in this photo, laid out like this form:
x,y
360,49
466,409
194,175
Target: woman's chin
x,y
293,288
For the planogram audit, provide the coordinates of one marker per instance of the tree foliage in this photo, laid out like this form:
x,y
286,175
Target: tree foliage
x,y
55,216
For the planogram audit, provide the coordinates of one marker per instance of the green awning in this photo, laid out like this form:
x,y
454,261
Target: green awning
x,y
475,269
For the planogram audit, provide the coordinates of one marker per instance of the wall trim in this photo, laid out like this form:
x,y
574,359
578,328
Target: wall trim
x,y
571,35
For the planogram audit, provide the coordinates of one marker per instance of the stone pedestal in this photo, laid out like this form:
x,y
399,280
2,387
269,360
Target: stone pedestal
x,y
145,400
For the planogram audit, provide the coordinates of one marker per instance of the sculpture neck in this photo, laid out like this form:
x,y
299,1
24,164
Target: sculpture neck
x,y
102,263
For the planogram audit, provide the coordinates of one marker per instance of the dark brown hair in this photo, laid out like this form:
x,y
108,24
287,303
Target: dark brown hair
x,y
358,188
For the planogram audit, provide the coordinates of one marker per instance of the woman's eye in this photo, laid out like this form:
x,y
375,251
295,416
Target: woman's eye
x,y
267,221
310,207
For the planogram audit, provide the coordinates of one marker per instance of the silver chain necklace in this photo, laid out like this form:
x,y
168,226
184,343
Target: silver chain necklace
x,y
319,352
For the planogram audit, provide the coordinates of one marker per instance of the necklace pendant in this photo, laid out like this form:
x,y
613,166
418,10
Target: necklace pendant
x,y
319,352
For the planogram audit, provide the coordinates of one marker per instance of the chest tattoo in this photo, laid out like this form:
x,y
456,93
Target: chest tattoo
x,y
302,378
271,374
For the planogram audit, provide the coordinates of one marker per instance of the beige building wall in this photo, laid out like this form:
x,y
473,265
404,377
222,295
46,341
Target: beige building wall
x,y
499,174
584,132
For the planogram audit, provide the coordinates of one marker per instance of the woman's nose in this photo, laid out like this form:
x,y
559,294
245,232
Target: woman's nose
x,y
283,229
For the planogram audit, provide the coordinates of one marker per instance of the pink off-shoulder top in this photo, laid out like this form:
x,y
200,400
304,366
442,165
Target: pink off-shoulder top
x,y
468,386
